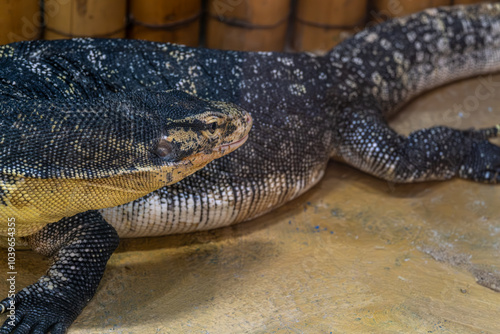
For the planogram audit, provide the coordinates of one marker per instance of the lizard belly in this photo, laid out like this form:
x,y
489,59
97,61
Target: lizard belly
x,y
173,210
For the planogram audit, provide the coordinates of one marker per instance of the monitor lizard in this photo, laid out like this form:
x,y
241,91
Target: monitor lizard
x,y
307,109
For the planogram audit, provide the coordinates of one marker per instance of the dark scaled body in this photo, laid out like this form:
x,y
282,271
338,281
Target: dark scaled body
x,y
306,109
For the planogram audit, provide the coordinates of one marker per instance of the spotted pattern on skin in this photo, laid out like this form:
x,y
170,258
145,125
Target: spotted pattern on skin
x,y
434,47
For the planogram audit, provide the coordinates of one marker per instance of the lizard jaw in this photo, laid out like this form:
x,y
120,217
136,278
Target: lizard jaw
x,y
227,148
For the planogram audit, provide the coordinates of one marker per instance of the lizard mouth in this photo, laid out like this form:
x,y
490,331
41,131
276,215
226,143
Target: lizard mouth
x,y
231,146
227,148
219,151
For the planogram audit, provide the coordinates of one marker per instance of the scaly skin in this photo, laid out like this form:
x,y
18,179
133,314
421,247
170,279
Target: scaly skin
x,y
306,109
60,157
63,157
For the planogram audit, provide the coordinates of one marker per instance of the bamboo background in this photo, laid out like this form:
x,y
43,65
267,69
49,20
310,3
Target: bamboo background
x,y
265,25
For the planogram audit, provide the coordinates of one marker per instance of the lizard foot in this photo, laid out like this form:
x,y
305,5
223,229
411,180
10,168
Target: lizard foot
x,y
39,308
79,246
483,162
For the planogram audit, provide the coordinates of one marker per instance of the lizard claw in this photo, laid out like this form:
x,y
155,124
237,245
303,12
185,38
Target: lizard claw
x,y
483,163
37,311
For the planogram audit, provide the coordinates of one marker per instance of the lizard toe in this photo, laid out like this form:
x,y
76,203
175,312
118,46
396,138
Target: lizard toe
x,y
46,326
38,310
25,325
483,164
13,321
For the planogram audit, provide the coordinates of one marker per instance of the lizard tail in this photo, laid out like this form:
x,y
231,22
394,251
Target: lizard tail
x,y
402,58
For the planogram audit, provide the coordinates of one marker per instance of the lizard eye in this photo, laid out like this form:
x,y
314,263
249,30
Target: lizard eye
x,y
212,127
164,148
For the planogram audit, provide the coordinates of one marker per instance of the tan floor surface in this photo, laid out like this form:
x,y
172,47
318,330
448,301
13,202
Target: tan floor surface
x,y
353,255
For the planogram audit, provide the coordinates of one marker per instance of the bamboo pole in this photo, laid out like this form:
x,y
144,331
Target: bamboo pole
x,y
85,18
393,8
322,24
175,21
248,25
20,20
466,2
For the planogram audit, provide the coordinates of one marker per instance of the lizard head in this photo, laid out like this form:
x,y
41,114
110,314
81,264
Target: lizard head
x,y
147,140
193,132
66,157
198,131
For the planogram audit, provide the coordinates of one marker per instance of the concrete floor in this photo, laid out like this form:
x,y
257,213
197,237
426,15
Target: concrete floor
x,y
353,255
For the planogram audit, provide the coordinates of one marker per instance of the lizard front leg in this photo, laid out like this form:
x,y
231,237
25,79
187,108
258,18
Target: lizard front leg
x,y
80,247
